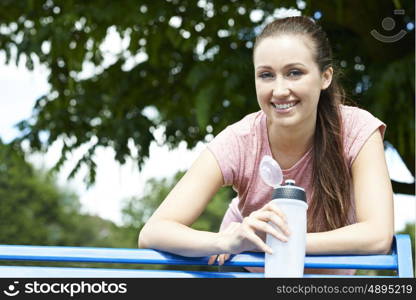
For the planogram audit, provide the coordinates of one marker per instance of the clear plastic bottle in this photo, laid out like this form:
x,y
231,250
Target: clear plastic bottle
x,y
288,258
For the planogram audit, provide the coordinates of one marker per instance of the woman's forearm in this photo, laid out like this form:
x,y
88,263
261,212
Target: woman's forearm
x,y
179,239
358,238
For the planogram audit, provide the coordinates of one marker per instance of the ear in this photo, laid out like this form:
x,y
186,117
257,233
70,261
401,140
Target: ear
x,y
326,78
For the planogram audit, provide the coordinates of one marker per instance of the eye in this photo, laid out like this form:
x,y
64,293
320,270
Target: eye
x,y
295,73
265,75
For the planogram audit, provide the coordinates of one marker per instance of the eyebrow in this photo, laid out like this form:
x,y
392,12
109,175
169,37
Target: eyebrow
x,y
286,66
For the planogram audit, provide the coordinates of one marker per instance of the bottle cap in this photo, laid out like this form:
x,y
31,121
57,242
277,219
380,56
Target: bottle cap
x,y
289,191
270,171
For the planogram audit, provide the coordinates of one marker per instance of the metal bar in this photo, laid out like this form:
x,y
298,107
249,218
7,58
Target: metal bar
x,y
400,258
404,254
54,272
150,256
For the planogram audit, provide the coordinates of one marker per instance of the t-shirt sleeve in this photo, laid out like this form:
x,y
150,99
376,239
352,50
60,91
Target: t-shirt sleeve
x,y
226,149
359,125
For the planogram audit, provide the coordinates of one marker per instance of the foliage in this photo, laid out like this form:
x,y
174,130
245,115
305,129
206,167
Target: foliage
x,y
137,210
31,207
34,210
190,62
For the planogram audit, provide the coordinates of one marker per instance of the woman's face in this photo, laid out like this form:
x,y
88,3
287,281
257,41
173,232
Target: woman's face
x,y
288,81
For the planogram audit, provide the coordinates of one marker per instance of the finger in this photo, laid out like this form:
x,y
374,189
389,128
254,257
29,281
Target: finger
x,y
263,226
269,216
273,207
212,259
267,213
283,226
221,259
225,257
252,237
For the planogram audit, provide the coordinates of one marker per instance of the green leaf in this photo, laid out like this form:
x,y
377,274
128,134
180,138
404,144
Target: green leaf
x,y
203,102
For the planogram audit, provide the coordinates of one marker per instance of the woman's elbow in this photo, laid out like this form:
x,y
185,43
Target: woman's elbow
x,y
143,237
383,243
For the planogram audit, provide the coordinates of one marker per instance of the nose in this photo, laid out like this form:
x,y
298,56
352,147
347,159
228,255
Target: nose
x,y
280,89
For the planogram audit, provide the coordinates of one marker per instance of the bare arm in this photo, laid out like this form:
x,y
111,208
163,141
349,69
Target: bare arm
x,y
168,228
374,229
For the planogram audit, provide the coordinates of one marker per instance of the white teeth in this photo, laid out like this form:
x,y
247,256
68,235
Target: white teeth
x,y
284,106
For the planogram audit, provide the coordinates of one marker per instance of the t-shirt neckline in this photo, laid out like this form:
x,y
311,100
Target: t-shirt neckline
x,y
263,128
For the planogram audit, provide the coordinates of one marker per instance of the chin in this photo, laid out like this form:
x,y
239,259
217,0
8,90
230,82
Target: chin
x,y
285,122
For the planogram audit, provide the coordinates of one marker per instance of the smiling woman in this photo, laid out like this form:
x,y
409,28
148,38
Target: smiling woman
x,y
285,82
335,152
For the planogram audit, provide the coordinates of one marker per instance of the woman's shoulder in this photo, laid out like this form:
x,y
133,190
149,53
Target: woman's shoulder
x,y
248,124
358,125
349,110
354,114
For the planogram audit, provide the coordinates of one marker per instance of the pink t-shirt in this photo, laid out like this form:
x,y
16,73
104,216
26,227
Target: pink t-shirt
x,y
240,147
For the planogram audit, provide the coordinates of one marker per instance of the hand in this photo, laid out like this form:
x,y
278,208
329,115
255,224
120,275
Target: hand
x,y
221,258
251,233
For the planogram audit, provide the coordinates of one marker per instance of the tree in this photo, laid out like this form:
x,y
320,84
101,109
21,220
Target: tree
x,y
34,210
191,64
137,210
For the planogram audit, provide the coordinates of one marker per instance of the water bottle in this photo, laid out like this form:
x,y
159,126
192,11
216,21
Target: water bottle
x,y
288,258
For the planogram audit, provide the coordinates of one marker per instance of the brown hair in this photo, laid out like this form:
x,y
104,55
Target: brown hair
x,y
331,176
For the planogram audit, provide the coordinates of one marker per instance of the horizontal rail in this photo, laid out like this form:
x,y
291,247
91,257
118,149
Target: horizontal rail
x,y
55,272
400,258
150,256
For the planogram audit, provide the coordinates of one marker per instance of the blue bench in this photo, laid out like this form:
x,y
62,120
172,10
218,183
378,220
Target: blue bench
x,y
400,260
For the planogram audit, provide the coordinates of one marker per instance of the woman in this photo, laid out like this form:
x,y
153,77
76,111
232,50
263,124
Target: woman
x,y
335,152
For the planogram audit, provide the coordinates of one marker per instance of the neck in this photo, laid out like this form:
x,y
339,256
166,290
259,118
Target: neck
x,y
290,142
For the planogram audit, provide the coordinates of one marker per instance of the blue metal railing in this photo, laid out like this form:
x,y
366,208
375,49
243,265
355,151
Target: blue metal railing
x,y
400,259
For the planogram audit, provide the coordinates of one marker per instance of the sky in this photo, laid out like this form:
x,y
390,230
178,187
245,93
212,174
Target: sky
x,y
19,90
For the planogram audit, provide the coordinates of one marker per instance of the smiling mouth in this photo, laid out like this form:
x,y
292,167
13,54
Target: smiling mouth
x,y
284,106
